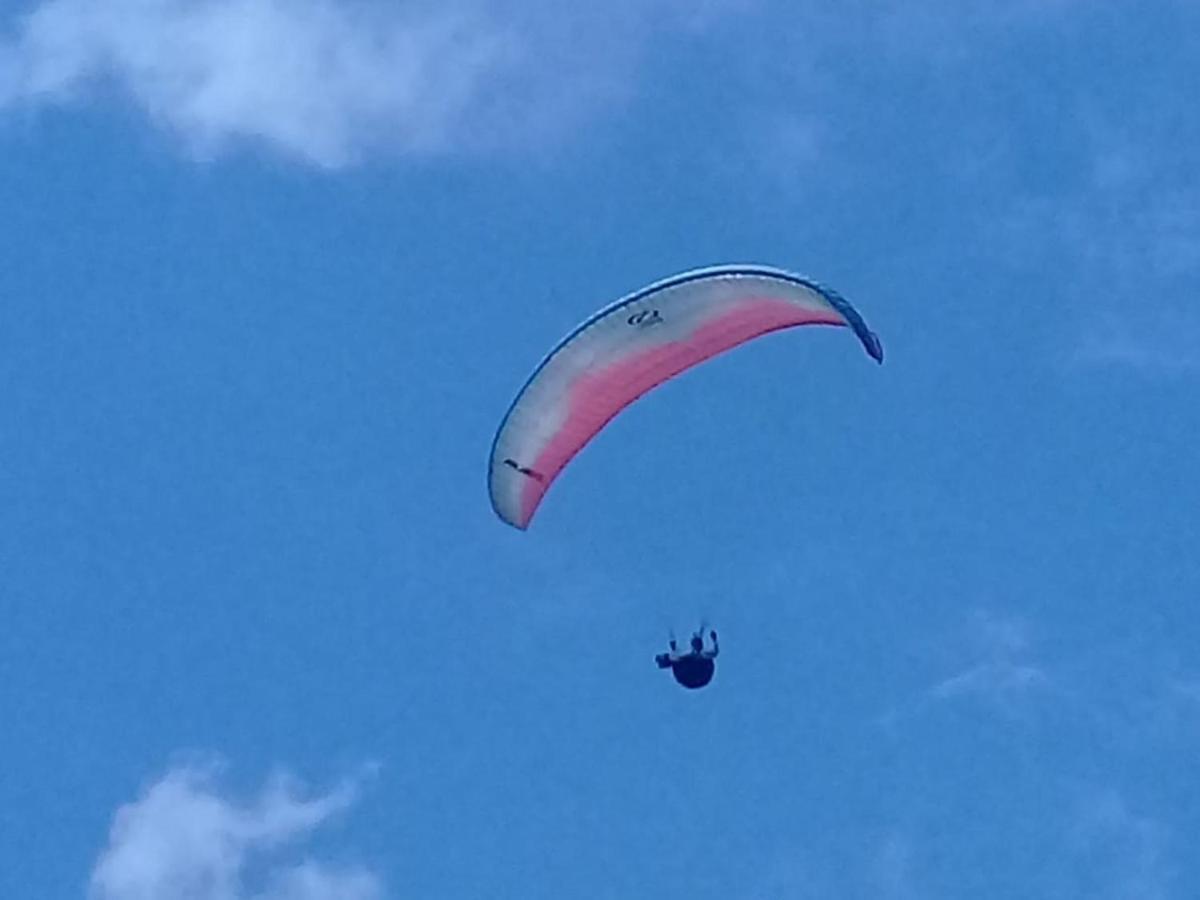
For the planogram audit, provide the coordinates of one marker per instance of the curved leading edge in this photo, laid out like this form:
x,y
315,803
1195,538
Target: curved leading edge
x,y
632,346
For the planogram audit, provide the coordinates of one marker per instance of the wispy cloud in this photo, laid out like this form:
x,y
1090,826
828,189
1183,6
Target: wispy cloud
x,y
1126,853
1164,347
997,669
892,868
884,868
999,681
1185,690
1134,238
1004,670
1102,728
187,836
328,82
1121,233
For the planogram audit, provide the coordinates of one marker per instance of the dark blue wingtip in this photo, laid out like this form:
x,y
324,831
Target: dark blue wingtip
x,y
870,340
874,347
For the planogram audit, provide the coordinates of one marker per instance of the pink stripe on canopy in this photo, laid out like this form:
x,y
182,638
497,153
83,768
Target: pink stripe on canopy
x,y
597,396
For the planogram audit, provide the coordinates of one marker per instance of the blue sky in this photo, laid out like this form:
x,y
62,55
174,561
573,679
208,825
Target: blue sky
x,y
272,275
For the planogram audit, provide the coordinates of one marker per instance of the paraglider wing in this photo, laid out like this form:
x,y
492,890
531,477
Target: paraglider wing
x,y
630,347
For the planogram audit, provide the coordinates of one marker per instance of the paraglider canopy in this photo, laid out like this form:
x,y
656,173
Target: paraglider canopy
x,y
637,343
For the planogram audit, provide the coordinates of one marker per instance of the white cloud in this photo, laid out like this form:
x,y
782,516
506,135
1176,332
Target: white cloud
x,y
318,79
328,81
187,839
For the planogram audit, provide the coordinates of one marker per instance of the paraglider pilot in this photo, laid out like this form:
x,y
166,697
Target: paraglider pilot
x,y
693,669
